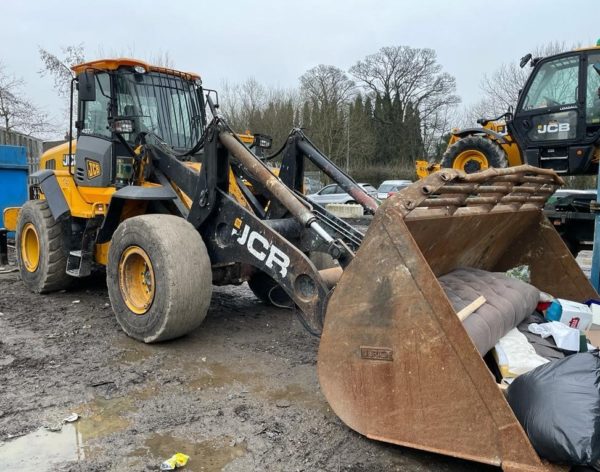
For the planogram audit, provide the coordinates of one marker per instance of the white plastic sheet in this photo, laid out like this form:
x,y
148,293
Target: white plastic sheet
x,y
564,337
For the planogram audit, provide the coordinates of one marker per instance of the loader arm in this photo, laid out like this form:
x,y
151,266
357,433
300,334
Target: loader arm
x,y
235,235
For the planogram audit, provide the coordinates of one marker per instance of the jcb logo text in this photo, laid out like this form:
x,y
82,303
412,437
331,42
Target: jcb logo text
x,y
260,248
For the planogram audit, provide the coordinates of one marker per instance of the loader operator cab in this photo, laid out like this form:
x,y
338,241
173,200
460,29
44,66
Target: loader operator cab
x,y
557,119
122,103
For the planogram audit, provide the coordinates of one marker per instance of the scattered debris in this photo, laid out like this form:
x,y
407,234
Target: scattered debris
x,y
522,273
175,461
103,382
71,418
54,428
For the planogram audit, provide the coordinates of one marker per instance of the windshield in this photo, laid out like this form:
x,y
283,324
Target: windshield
x,y
555,84
368,187
162,104
390,187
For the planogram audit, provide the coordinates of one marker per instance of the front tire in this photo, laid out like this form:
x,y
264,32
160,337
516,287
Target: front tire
x,y
159,277
474,153
42,248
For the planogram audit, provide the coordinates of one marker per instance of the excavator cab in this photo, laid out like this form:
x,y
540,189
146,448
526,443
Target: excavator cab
x,y
557,119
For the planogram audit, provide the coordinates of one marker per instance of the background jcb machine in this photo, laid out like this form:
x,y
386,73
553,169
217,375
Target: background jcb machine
x,y
555,125
157,193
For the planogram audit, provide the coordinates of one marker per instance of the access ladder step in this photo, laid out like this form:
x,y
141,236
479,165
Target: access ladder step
x,y
79,264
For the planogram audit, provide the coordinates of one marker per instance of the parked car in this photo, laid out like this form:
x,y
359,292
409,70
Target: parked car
x,y
311,185
570,212
335,194
389,187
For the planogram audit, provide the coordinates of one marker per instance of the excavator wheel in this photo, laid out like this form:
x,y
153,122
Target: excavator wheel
x,y
41,246
474,153
159,277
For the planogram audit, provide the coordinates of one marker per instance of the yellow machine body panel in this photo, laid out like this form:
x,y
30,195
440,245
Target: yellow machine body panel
x,y
10,218
57,158
114,64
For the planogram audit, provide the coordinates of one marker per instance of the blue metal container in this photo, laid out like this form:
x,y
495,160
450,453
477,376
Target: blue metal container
x,y
13,178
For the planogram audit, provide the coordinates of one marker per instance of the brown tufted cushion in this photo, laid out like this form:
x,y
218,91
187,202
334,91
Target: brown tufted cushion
x,y
508,302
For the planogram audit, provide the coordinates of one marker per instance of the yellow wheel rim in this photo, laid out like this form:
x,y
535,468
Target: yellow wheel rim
x,y
470,161
30,248
136,280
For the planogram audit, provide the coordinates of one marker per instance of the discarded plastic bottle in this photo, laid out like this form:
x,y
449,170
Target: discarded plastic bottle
x,y
554,311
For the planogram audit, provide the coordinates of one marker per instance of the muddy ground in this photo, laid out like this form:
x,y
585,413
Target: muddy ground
x,y
238,394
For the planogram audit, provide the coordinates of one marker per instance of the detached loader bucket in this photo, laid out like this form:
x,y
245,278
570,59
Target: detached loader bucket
x,y
395,362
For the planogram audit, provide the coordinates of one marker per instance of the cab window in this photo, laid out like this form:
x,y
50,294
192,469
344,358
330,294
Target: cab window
x,y
592,92
555,84
95,114
329,190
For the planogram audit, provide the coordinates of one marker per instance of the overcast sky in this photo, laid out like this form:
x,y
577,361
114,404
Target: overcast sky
x,y
276,41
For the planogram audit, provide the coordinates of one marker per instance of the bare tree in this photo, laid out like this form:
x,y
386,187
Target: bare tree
x,y
17,112
411,74
327,86
328,90
253,106
59,68
414,78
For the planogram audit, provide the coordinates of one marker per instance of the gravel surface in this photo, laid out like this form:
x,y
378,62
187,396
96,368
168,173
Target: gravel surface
x,y
238,394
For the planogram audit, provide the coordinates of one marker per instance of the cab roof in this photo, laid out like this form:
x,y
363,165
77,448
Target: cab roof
x,y
114,64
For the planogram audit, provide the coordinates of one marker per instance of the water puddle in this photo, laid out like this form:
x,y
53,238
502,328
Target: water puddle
x,y
42,450
293,394
205,456
102,417
215,375
134,351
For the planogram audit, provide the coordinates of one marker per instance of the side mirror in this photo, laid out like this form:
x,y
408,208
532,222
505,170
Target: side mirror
x,y
596,67
524,60
87,86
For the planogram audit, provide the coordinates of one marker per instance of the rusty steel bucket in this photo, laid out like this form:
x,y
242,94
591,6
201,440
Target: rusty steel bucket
x,y
395,362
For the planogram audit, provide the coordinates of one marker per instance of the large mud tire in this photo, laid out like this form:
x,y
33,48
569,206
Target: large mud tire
x,y
159,277
42,248
474,153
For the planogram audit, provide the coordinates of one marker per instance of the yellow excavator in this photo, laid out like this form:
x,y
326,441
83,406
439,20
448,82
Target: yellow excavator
x,y
156,195
555,125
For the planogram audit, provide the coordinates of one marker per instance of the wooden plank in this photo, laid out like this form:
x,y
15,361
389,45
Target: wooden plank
x,y
471,308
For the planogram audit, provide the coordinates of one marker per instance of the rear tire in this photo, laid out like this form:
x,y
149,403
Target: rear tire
x,y
42,248
159,277
474,153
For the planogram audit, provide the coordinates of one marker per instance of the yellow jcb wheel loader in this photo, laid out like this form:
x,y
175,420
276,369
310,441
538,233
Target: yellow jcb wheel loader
x,y
156,194
555,125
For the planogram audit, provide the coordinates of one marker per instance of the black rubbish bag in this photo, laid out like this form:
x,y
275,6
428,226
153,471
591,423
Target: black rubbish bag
x,y
558,405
